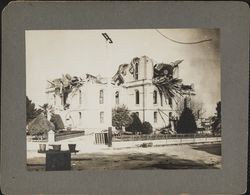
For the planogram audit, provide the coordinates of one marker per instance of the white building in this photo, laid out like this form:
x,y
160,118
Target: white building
x,y
88,106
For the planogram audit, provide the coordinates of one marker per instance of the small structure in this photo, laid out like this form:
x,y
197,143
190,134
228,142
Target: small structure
x,y
58,160
51,137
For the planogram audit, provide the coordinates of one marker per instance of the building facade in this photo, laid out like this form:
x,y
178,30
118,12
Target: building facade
x,y
89,105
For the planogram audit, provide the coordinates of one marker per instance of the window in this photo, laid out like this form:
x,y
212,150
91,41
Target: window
x,y
80,115
155,117
117,97
80,97
101,117
137,113
137,97
101,97
155,97
136,71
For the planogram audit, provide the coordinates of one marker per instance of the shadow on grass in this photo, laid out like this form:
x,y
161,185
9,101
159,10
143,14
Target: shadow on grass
x,y
214,149
138,161
160,161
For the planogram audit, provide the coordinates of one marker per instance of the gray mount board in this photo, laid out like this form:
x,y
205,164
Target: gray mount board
x,y
232,18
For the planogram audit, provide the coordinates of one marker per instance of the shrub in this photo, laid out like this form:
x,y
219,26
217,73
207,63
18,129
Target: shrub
x,y
147,128
40,125
57,121
136,125
121,117
216,120
187,123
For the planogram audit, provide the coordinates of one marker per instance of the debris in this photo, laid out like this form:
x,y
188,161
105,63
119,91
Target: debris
x,y
167,85
122,71
163,78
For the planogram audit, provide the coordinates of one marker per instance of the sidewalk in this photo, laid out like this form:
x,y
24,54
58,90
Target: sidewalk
x,y
85,144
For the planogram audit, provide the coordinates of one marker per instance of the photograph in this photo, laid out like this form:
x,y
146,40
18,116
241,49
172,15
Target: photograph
x,y
123,99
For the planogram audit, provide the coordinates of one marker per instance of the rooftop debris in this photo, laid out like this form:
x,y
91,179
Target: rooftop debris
x,y
167,85
123,69
69,85
163,78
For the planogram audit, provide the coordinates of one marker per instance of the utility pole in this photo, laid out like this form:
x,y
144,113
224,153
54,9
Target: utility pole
x,y
108,106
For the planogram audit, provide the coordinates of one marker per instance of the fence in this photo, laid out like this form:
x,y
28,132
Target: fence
x,y
117,138
104,138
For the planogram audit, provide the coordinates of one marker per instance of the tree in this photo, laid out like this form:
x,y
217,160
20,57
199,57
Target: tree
x,y
31,111
136,125
187,123
216,120
40,125
147,128
57,121
46,108
195,105
121,117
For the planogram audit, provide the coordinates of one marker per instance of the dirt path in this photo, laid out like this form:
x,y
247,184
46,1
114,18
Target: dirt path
x,y
199,156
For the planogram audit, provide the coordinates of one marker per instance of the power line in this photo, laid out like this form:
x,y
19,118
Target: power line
x,y
196,42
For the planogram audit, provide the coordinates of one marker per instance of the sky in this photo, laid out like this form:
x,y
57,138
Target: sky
x,y
52,53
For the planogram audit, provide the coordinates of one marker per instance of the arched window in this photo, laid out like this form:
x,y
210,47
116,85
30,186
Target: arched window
x,y
101,97
101,117
137,97
155,97
136,71
117,97
155,117
80,97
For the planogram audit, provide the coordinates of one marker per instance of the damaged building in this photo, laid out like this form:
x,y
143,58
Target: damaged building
x,y
150,90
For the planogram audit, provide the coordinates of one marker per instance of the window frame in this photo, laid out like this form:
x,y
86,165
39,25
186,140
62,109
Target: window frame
x,y
117,97
155,117
101,96
155,97
137,97
101,117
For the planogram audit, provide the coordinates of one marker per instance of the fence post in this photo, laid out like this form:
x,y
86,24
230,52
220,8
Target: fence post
x,y
109,136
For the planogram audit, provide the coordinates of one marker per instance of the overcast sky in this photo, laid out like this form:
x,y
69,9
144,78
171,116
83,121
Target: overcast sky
x,y
51,53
